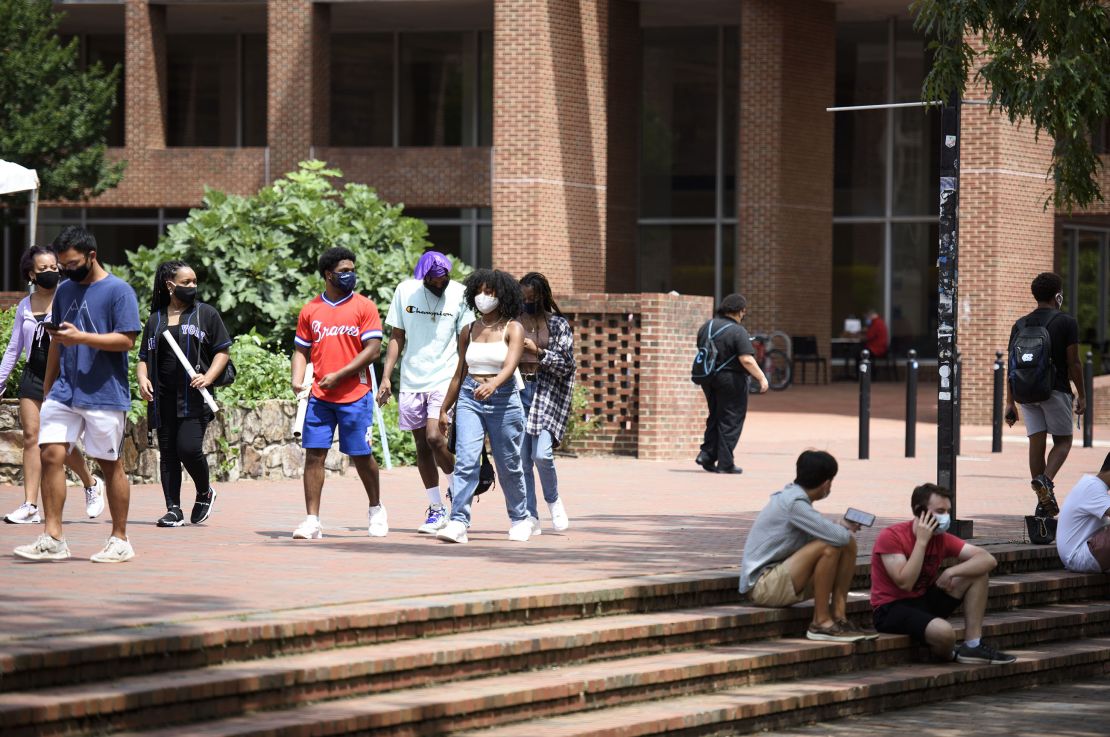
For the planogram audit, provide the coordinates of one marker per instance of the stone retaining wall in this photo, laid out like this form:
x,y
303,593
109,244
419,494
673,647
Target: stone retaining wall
x,y
240,444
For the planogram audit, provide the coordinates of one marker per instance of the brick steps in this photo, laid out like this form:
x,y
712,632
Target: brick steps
x,y
769,677
788,704
566,650
160,648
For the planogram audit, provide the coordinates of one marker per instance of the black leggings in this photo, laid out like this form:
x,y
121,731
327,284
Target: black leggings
x,y
181,442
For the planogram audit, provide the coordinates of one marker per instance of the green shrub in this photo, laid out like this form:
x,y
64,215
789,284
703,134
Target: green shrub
x,y
580,424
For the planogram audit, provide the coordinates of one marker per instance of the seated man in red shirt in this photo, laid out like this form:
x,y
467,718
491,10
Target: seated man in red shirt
x,y
910,598
877,337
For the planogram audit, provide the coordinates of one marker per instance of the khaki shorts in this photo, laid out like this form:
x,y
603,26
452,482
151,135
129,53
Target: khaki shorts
x,y
775,588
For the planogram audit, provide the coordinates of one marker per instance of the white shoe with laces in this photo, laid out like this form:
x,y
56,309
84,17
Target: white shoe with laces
x,y
521,531
116,551
94,498
559,519
25,514
379,521
453,532
310,529
44,548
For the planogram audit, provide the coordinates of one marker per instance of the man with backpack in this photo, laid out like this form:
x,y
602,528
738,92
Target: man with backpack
x,y
1043,356
724,364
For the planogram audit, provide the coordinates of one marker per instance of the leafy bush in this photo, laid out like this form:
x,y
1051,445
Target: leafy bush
x,y
7,320
580,423
255,257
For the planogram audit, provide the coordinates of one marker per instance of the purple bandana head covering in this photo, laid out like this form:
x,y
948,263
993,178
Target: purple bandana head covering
x,y
433,264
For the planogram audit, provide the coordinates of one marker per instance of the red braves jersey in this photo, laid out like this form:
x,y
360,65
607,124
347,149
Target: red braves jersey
x,y
334,333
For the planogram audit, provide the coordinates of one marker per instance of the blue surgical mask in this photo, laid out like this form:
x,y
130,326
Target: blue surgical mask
x,y
345,281
943,522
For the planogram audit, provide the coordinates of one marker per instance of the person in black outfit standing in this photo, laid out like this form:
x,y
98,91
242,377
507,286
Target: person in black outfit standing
x,y
1053,415
175,407
726,391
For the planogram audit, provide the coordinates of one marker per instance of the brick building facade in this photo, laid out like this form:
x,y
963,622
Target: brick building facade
x,y
558,169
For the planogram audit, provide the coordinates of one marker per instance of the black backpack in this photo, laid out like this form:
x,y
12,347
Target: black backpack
x,y
1032,373
707,358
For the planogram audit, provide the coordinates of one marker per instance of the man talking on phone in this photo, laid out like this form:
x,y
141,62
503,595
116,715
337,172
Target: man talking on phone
x,y
910,594
793,553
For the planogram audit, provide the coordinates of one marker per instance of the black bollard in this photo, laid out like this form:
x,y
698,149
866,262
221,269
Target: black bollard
x,y
911,404
1089,390
996,412
864,405
956,403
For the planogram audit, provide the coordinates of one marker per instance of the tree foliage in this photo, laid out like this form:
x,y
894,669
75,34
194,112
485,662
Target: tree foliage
x,y
54,117
255,257
1046,62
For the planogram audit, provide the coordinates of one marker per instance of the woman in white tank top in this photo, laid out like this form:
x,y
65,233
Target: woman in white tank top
x,y
487,402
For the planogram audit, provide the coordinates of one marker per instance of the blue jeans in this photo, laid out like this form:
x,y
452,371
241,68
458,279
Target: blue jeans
x,y
537,451
502,418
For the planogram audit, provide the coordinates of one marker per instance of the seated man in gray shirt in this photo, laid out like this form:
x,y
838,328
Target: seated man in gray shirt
x,y
793,553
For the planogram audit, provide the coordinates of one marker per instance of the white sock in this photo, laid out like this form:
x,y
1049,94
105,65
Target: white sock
x,y
972,643
433,496
313,518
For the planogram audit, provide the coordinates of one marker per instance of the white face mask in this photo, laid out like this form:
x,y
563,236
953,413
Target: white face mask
x,y
943,522
486,303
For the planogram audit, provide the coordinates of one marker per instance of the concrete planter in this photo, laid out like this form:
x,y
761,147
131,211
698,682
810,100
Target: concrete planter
x,y
241,443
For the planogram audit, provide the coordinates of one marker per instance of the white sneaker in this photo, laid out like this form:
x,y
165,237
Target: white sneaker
x,y
45,548
535,525
559,519
310,529
521,531
116,551
453,532
25,514
436,520
379,521
94,498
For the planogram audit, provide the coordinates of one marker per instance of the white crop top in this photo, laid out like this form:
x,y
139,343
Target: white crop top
x,y
486,358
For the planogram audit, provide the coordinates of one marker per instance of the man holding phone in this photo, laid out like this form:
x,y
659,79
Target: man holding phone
x,y
793,553
86,391
911,596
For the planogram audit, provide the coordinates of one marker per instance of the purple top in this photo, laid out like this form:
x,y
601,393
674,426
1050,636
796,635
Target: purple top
x,y
23,336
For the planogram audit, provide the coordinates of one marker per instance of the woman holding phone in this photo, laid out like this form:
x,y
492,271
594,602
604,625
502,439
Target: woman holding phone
x,y
39,266
176,409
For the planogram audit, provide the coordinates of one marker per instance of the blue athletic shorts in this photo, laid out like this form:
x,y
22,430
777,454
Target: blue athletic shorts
x,y
355,421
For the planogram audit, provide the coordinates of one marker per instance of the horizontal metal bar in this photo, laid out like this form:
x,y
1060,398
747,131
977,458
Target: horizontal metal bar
x,y
891,105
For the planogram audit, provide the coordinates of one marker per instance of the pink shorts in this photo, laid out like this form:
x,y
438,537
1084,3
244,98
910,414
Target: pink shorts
x,y
415,409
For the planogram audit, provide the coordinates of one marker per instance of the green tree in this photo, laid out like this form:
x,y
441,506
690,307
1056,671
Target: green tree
x,y
54,117
1046,62
256,256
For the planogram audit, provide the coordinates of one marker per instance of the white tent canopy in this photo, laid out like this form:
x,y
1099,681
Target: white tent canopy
x,y
16,178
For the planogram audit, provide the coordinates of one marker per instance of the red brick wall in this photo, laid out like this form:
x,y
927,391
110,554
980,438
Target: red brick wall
x,y
427,177
1006,239
296,80
10,299
787,62
550,134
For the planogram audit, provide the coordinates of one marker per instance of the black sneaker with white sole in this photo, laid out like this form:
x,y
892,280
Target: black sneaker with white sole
x,y
982,654
173,517
202,507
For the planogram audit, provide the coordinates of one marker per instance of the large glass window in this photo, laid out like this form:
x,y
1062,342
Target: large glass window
x,y
465,233
106,49
412,89
885,185
1085,268
688,159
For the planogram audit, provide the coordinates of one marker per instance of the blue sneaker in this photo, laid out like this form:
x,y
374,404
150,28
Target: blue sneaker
x,y
437,520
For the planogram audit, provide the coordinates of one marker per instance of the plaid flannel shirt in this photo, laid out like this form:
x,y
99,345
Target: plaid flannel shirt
x,y
554,382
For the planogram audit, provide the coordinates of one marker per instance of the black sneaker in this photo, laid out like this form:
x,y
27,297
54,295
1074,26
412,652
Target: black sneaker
x,y
173,517
202,507
1045,495
983,654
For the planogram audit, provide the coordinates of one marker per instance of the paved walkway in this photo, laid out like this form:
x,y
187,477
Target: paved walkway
x,y
629,518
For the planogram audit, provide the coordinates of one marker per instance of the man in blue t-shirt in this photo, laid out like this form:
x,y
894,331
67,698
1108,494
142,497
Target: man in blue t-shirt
x,y
94,324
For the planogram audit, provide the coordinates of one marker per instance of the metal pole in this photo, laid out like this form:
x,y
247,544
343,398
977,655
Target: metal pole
x,y
1089,390
911,404
864,405
948,302
996,405
957,423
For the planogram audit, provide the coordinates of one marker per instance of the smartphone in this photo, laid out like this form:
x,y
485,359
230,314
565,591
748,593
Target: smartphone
x,y
859,517
51,326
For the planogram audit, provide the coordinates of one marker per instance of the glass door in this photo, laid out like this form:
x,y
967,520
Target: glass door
x,y
1087,290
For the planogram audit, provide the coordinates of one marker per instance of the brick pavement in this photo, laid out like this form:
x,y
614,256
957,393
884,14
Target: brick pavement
x,y
629,518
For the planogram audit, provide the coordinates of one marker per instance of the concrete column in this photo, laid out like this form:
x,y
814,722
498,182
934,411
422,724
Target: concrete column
x,y
785,188
144,76
298,100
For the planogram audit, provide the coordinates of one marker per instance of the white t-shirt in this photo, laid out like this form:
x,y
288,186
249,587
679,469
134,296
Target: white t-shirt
x,y
1082,515
432,325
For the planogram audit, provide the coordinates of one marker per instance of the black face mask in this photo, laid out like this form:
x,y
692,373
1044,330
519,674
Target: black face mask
x,y
530,308
79,274
48,279
437,291
187,295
